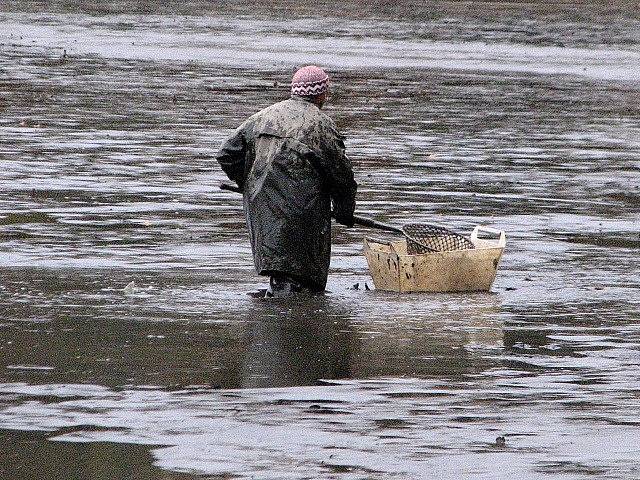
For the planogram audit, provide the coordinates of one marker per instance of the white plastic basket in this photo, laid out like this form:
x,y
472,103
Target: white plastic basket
x,y
393,269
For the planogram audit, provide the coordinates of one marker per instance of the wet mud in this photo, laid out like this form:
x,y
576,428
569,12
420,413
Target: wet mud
x,y
522,117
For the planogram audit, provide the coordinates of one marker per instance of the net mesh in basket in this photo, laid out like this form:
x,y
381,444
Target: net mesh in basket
x,y
424,238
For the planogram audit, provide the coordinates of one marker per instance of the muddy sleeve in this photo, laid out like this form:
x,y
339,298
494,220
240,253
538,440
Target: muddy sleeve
x,y
339,179
232,154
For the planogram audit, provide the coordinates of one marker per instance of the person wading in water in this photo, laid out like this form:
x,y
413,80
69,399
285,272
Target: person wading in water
x,y
289,160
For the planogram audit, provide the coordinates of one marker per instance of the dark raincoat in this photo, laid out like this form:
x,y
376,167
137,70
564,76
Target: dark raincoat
x,y
289,160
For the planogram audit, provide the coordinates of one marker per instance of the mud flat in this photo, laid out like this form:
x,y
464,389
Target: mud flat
x,y
518,116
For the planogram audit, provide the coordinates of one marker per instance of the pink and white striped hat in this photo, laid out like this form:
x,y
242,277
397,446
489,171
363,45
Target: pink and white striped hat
x,y
309,81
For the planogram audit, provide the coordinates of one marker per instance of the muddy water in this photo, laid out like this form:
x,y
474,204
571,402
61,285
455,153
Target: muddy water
x,y
521,117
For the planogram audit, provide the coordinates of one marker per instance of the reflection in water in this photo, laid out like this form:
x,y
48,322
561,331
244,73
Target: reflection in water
x,y
318,341
28,456
141,340
297,342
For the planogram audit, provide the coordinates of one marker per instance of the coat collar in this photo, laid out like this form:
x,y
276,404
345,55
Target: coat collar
x,y
298,98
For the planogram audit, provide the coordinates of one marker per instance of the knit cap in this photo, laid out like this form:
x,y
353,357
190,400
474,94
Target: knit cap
x,y
309,81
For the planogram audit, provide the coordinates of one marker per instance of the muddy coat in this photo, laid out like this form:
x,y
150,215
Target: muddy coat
x,y
289,160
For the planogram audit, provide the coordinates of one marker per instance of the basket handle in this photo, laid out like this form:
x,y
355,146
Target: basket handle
x,y
502,240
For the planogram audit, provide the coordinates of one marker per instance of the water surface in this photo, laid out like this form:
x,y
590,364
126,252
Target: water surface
x,y
523,117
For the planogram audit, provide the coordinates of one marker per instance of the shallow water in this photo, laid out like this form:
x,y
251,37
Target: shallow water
x,y
521,117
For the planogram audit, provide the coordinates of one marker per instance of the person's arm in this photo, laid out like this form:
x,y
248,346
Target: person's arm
x,y
339,178
232,154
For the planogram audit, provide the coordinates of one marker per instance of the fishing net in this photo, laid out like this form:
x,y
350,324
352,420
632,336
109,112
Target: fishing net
x,y
423,238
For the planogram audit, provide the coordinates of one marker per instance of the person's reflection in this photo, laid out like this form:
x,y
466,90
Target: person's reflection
x,y
298,342
289,343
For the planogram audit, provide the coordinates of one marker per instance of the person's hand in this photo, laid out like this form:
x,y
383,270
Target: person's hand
x,y
343,217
